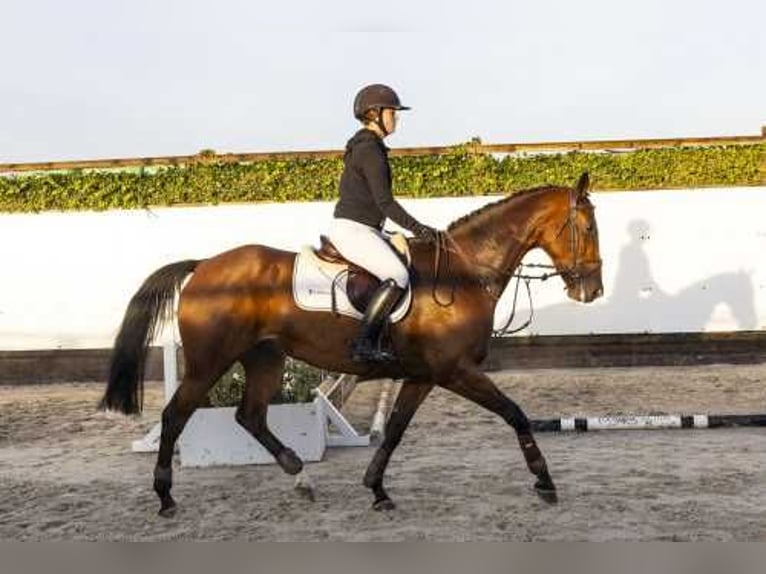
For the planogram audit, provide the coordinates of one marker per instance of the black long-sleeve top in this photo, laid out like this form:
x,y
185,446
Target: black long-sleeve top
x,y
365,185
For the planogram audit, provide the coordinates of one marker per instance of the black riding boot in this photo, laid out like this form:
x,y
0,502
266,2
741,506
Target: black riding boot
x,y
366,347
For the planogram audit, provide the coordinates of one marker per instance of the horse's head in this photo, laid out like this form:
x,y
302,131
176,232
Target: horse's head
x,y
570,238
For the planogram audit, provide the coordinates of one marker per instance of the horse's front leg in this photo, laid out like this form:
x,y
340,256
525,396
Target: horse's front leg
x,y
477,387
410,397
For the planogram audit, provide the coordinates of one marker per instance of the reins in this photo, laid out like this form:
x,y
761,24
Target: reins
x,y
443,237
441,245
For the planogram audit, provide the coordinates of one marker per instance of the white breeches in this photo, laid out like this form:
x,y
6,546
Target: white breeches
x,y
367,247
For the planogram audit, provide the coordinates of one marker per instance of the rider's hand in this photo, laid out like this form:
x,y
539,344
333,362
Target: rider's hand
x,y
425,232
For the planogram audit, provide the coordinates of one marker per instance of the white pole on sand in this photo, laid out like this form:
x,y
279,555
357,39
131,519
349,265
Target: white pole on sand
x,y
385,402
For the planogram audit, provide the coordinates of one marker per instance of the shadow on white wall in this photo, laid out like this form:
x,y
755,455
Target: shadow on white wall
x,y
636,303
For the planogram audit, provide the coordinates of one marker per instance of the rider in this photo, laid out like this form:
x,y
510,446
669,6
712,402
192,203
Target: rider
x,y
365,202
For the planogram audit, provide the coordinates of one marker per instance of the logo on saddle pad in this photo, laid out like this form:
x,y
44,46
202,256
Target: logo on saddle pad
x,y
324,281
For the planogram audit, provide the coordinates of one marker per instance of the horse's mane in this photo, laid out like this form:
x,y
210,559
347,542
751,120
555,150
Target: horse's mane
x,y
477,214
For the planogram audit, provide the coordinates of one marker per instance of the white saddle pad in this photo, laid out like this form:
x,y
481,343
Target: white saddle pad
x,y
313,283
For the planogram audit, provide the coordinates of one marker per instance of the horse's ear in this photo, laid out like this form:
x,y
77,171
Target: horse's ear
x,y
582,186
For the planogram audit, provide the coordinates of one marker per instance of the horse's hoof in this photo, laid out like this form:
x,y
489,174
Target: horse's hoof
x,y
289,462
168,511
383,504
546,492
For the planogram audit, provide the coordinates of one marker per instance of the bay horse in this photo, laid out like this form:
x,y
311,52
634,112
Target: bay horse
x,y
238,306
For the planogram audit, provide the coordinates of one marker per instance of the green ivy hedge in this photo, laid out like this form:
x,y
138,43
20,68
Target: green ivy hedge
x,y
457,173
298,381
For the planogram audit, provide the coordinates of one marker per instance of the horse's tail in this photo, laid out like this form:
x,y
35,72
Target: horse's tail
x,y
148,309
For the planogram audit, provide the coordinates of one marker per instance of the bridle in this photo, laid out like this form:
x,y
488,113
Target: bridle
x,y
577,271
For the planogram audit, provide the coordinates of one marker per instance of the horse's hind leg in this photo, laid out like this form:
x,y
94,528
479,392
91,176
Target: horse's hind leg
x,y
175,415
411,395
264,365
479,388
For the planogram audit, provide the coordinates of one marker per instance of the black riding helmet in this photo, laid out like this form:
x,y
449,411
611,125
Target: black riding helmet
x,y
376,97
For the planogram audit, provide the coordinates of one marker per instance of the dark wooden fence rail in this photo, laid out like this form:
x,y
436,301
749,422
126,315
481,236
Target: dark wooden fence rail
x,y
571,351
473,147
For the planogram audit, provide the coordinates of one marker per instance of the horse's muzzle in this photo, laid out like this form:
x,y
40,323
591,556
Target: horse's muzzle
x,y
586,286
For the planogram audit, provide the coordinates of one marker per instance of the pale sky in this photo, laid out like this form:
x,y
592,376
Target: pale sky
x,y
86,79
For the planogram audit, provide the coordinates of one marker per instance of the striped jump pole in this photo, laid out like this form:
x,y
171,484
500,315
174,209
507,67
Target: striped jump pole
x,y
647,422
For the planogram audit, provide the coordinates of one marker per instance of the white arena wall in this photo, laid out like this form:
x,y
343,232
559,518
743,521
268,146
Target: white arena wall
x,y
674,261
